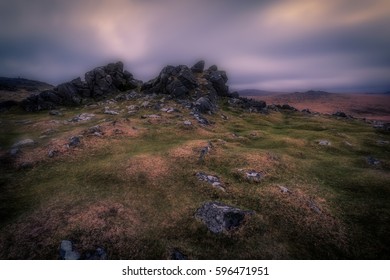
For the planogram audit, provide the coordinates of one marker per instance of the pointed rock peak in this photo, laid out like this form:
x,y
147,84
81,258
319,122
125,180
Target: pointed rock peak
x,y
198,67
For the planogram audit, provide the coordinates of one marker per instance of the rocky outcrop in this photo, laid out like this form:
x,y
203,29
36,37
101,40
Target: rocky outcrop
x,y
181,82
99,83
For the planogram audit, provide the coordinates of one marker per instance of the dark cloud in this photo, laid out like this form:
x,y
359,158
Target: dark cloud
x,y
279,45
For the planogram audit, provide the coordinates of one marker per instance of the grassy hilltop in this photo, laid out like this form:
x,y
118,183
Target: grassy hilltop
x,y
133,190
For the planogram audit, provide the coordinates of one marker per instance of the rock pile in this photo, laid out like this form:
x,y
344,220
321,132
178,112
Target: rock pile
x,y
98,84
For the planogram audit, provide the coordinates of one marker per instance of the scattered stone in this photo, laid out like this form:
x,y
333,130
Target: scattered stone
x,y
313,206
94,129
110,112
373,161
213,180
67,252
82,117
284,189
145,104
203,152
251,175
98,254
382,142
201,120
324,143
55,113
187,123
153,116
53,153
254,176
225,118
118,131
307,111
133,108
74,141
177,255
169,110
383,126
23,143
220,217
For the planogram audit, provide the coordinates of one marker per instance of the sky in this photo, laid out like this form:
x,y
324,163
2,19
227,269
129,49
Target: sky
x,y
278,45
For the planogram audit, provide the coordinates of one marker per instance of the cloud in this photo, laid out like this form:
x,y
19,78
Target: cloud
x,y
275,44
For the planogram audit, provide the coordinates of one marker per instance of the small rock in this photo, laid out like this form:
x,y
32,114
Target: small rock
x,y
53,153
98,254
82,117
187,123
313,206
284,189
94,129
118,131
373,161
224,117
177,255
169,110
110,112
23,143
254,176
67,252
201,120
74,141
324,143
145,104
133,108
55,113
203,153
213,180
382,142
220,217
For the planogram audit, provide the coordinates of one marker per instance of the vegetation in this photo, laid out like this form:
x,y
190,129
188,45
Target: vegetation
x,y
133,190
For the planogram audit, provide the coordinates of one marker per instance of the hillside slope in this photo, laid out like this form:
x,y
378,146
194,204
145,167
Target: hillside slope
x,y
149,176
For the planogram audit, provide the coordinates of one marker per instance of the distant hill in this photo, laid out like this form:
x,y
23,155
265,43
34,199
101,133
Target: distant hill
x,y
256,92
15,84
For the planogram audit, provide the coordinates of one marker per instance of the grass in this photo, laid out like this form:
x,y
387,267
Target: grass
x,y
135,193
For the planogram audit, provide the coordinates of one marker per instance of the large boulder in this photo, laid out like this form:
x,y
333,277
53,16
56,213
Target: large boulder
x,y
176,81
204,105
220,217
110,78
218,79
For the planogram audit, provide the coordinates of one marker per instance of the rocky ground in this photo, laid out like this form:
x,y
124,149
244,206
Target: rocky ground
x,y
179,167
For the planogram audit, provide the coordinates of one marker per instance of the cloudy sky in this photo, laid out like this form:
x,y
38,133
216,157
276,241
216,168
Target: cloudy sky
x,y
283,45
